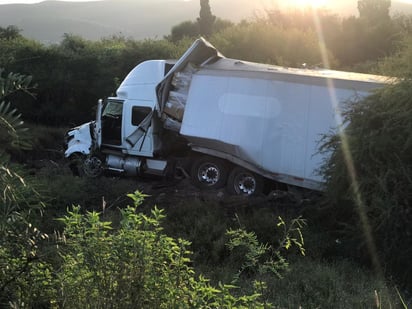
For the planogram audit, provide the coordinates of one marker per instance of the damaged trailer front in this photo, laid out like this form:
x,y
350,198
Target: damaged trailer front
x,y
260,120
224,121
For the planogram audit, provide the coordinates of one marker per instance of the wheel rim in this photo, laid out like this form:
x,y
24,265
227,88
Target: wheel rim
x,y
92,166
245,184
208,174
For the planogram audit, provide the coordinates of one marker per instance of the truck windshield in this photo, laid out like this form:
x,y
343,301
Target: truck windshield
x,y
113,109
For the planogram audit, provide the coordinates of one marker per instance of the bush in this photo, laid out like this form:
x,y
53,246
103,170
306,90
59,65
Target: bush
x,y
275,45
202,223
134,266
369,179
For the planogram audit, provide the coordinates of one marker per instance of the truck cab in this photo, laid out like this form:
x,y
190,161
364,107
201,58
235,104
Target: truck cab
x,y
124,130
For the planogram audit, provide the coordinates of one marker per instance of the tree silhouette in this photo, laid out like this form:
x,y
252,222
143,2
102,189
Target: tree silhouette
x,y
374,11
377,32
206,19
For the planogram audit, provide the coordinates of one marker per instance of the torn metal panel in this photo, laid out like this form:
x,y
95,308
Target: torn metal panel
x,y
200,52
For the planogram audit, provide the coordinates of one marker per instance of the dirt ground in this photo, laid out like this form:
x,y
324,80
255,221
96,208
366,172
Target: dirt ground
x,y
166,192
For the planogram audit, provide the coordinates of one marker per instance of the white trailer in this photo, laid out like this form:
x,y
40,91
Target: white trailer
x,y
223,121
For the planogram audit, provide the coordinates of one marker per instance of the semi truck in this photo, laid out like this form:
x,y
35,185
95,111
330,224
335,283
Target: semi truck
x,y
222,122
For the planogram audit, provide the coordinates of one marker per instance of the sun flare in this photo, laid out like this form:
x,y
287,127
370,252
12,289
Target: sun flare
x,y
310,3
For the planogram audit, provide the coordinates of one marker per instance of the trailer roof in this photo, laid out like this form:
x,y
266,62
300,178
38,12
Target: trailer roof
x,y
227,64
209,60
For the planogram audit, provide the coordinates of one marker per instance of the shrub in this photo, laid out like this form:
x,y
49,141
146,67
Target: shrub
x,y
134,266
22,273
274,45
369,179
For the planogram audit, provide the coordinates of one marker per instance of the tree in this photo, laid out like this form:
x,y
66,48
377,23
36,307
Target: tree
x,y
374,11
206,19
296,46
188,29
370,36
10,32
378,31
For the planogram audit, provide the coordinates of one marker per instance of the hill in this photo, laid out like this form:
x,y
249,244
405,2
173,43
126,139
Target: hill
x,y
49,20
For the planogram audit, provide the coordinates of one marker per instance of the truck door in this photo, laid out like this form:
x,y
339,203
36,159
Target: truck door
x,y
138,130
111,124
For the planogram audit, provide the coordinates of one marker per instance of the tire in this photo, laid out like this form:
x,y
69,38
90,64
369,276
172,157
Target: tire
x,y
89,166
209,173
76,164
244,182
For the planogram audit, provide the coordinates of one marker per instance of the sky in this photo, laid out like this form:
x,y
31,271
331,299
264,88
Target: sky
x,y
37,1
315,3
303,3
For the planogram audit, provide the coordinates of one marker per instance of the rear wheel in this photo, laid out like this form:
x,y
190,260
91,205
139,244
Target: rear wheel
x,y
209,173
244,182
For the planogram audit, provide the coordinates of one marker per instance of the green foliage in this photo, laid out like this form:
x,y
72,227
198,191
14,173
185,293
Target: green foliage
x,y
374,11
184,29
339,284
74,74
372,36
364,41
368,178
13,82
350,40
11,121
399,64
135,265
264,258
10,33
190,29
308,283
25,278
12,135
15,193
202,223
275,45
22,272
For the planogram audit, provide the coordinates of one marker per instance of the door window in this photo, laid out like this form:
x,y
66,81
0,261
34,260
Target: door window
x,y
139,113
